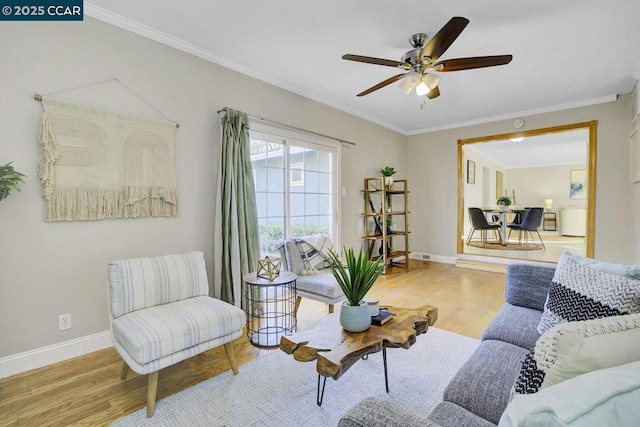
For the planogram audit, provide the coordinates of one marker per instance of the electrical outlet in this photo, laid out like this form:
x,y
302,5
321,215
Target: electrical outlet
x,y
64,321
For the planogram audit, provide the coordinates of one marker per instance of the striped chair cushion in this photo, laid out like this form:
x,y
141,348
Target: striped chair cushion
x,y
322,283
139,283
160,331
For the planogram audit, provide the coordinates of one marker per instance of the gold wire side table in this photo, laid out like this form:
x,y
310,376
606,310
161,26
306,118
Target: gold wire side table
x,y
270,308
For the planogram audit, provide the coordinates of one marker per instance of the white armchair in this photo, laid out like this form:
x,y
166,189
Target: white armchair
x,y
572,221
162,314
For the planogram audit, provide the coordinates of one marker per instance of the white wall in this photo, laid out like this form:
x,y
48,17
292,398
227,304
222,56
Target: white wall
x,y
432,162
473,192
635,202
533,185
47,269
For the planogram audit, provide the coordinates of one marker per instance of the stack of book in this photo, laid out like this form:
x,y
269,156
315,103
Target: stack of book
x,y
381,318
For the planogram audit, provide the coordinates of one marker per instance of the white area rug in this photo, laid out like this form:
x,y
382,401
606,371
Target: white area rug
x,y
275,390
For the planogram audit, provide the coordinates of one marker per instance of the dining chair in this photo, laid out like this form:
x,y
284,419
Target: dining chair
x,y
530,223
479,222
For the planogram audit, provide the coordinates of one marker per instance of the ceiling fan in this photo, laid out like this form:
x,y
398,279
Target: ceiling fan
x,y
421,60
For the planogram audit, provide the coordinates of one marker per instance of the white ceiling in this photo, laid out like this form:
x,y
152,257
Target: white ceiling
x,y
566,53
564,148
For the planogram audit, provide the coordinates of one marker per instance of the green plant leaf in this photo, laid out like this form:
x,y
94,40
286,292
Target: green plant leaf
x,y
359,275
10,180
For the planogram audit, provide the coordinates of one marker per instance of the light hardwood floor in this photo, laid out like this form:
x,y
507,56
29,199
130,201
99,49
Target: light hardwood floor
x,y
88,390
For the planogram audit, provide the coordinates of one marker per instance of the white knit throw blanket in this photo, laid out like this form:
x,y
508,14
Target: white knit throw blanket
x,y
97,164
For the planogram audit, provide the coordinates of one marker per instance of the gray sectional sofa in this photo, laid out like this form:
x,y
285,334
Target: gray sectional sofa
x,y
479,393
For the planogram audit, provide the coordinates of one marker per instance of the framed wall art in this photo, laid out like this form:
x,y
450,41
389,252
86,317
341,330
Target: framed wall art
x,y
471,172
578,184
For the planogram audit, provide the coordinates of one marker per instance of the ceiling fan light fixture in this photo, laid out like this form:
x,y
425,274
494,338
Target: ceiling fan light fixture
x,y
422,89
409,82
431,80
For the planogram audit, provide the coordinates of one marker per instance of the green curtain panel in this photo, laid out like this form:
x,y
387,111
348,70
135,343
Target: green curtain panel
x,y
239,246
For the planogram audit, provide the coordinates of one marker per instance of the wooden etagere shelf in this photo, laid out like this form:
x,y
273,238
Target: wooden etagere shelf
x,y
386,221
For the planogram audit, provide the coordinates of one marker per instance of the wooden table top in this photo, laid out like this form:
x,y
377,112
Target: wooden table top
x,y
336,350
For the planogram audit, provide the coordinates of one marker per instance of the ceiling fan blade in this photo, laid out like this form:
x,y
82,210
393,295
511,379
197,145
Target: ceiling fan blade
x,y
433,93
444,38
382,84
470,63
376,61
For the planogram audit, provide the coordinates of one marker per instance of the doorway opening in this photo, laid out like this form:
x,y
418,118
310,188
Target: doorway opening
x,y
552,169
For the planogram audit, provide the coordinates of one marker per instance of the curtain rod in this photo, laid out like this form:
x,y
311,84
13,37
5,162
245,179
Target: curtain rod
x,y
295,128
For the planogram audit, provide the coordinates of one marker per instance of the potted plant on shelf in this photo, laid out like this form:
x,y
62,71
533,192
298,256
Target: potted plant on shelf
x,y
387,172
355,279
10,180
503,202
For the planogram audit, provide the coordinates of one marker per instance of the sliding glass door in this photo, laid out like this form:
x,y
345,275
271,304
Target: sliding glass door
x,y
296,184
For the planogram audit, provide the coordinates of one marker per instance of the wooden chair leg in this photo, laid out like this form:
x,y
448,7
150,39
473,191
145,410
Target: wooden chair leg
x,y
152,388
540,237
331,308
295,310
473,230
228,348
124,371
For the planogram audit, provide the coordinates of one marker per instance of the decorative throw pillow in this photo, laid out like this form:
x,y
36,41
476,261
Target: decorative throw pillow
x,y
606,397
571,349
305,255
630,271
579,292
323,246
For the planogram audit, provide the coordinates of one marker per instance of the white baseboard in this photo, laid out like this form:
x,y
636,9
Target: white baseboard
x,y
433,258
32,359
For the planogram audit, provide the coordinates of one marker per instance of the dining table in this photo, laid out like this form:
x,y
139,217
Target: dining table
x,y
501,215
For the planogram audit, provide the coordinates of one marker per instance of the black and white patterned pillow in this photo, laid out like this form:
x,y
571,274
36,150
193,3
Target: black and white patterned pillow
x,y
306,255
579,292
571,349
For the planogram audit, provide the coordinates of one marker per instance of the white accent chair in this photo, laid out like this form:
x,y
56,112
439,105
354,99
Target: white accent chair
x,y
572,221
162,314
320,286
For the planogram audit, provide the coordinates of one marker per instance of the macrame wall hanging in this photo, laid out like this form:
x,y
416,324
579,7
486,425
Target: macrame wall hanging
x,y
98,164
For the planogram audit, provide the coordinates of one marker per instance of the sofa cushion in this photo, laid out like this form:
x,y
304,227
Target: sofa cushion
x,y
523,333
579,292
528,285
322,283
483,384
448,414
606,397
139,283
571,349
166,329
377,412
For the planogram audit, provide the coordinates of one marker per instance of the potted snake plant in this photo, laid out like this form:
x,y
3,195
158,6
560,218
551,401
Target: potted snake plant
x,y
355,277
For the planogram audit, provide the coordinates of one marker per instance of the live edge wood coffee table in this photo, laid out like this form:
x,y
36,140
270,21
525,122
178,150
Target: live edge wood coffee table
x,y
336,350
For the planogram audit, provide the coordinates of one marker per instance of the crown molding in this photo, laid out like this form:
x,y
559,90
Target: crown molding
x,y
525,113
136,27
